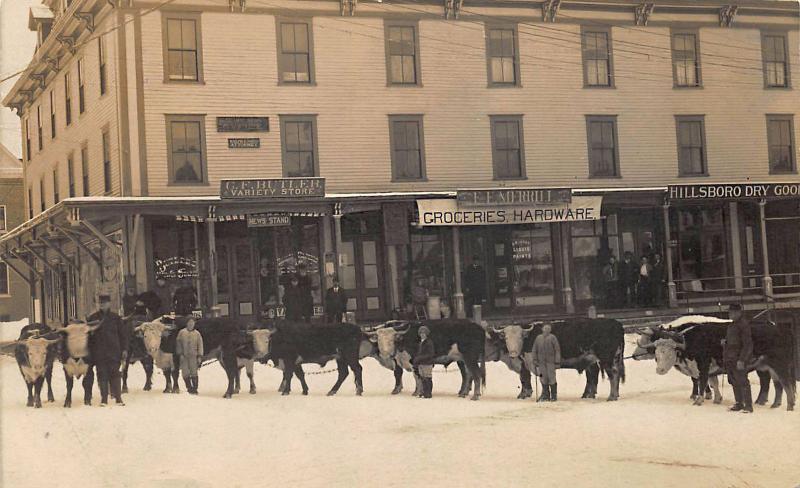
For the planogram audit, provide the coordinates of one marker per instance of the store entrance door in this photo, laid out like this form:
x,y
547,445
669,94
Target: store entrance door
x,y
361,266
236,285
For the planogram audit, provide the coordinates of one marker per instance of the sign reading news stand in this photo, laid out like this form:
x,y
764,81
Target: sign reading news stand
x,y
443,211
267,188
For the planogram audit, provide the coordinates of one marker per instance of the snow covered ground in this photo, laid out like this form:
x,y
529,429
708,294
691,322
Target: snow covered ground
x,y
652,437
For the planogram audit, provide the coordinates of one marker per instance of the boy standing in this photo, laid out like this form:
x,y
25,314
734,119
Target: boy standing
x,y
546,359
189,349
424,361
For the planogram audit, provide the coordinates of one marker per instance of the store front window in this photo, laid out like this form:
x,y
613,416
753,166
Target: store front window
x,y
592,249
703,261
425,266
522,260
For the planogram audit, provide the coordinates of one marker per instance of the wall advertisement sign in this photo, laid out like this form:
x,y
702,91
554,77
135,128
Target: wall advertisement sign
x,y
447,212
733,191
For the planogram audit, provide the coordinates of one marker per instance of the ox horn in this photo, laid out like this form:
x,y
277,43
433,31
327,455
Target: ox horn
x,y
401,332
496,330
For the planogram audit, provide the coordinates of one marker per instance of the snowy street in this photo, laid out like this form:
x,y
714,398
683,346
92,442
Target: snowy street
x,y
653,436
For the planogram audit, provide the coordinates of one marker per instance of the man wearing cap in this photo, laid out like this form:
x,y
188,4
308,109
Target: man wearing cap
x,y
426,353
738,352
109,347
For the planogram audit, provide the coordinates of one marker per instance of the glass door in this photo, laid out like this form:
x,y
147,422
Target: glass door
x,y
361,277
236,278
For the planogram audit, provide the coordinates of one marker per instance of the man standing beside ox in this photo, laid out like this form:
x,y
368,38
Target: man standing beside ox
x,y
738,352
109,347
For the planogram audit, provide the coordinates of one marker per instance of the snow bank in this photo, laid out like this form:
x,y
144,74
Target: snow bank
x,y
651,437
9,331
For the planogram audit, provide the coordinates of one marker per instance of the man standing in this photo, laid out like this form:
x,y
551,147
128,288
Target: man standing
x,y
474,284
628,277
293,300
546,359
426,354
335,304
164,295
738,352
109,347
129,300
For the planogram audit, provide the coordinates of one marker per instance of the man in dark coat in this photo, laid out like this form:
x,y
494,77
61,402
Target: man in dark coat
x,y
294,301
474,284
129,300
738,352
426,354
335,304
109,347
628,278
164,294
185,300
657,280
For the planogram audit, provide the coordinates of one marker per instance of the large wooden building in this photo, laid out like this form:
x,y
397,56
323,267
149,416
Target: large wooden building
x,y
221,143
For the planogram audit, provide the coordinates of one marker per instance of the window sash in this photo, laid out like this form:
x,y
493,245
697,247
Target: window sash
x,y
507,149
402,55
295,55
684,60
502,56
106,163
56,196
67,100
3,224
39,126
597,58
186,151
779,140
182,59
691,154
602,148
298,140
407,150
775,61
85,170
52,114
27,140
102,64
71,176
5,289
42,203
81,91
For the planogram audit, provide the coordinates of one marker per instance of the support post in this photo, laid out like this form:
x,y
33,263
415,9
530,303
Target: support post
x,y
41,258
672,289
337,234
84,247
765,249
391,254
569,303
736,247
212,264
21,274
196,232
102,237
458,295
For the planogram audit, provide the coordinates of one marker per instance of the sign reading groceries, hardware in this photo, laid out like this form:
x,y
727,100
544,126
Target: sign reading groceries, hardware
x,y
513,196
445,211
273,188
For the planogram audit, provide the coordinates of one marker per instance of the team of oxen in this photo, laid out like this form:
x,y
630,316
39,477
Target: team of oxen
x,y
691,344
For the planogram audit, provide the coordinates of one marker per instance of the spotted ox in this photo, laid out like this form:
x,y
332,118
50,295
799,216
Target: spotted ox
x,y
137,353
35,351
76,358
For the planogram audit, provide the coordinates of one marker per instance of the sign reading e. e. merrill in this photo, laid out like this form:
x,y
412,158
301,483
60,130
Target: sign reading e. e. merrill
x,y
513,196
242,124
273,188
733,191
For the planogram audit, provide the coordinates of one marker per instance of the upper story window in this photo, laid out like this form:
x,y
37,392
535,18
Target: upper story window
x,y
603,151
299,143
71,174
81,87
85,169
508,156
408,148
42,204
502,56
5,289
186,143
685,59
52,114
780,139
691,145
30,203
776,60
27,139
67,99
106,162
597,62
295,52
182,48
56,196
402,54
3,223
39,126
101,53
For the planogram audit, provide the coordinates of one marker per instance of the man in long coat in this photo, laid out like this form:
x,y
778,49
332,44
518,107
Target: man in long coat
x,y
109,347
546,359
335,303
738,352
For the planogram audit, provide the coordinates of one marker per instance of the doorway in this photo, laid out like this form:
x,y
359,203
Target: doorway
x,y
236,285
361,267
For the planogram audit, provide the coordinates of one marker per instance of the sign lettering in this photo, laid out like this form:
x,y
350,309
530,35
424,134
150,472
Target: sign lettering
x,y
242,124
273,188
244,143
513,196
437,212
733,191
268,220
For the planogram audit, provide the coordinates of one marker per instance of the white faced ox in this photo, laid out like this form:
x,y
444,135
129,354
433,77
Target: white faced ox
x,y
386,338
36,352
261,338
514,337
667,354
77,335
152,332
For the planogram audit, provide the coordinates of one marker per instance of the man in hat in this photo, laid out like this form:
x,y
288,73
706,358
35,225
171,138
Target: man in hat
x,y
426,353
474,284
738,352
293,300
335,303
109,348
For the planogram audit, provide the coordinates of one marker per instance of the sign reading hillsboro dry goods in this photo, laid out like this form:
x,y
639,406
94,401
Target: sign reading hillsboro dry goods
x,y
242,124
513,196
273,188
743,190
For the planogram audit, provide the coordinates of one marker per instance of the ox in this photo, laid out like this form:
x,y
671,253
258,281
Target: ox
x,y
137,352
256,347
76,358
701,347
455,340
593,345
35,351
219,342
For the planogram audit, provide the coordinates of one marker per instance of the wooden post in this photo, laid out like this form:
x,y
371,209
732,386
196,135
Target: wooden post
x,y
212,265
566,290
736,247
197,264
337,234
764,249
458,295
672,289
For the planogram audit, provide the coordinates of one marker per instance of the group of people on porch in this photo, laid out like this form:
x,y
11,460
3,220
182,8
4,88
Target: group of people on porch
x,y
630,282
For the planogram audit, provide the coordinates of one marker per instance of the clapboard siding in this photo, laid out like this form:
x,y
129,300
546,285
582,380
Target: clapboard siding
x,y
352,101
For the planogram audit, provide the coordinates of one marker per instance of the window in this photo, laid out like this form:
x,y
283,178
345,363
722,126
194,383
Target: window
x,y
42,204
52,114
5,289
402,54
30,203
408,149
186,142
295,58
101,52
67,100
602,141
182,56
27,139
299,141
106,163
81,91
56,196
776,60
502,56
691,145
780,139
3,223
85,169
597,65
71,175
508,157
39,126
685,59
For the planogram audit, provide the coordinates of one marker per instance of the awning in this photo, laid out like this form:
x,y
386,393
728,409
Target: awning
x,y
446,212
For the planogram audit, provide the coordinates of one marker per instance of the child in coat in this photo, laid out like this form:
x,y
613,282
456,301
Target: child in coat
x,y
189,349
546,359
424,361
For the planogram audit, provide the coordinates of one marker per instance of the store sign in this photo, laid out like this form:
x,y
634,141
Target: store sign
x,y
176,268
441,211
513,196
733,191
268,220
244,143
242,124
273,188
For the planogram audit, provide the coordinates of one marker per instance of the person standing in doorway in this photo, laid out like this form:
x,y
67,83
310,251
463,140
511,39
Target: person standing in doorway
x,y
628,277
611,283
644,286
293,300
474,284
335,303
185,299
109,348
307,298
738,352
546,359
164,294
426,353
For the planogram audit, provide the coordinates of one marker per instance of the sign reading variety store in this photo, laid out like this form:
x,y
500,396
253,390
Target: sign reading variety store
x,y
728,191
441,211
273,188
